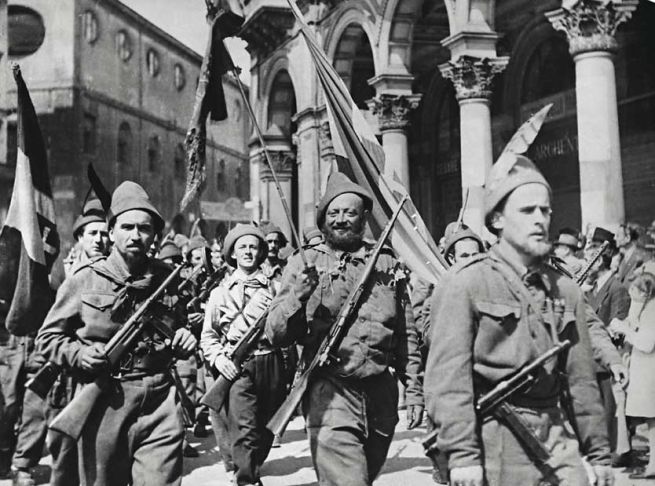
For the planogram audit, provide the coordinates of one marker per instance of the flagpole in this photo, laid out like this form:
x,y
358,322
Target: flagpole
x,y
267,156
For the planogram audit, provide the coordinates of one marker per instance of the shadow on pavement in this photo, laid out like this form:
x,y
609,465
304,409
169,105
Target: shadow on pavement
x,y
285,466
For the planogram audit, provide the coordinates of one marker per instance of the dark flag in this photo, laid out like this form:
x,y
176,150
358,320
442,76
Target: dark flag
x,y
210,100
361,157
29,243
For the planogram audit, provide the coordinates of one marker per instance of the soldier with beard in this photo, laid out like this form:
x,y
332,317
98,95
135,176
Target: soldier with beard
x,y
487,322
350,406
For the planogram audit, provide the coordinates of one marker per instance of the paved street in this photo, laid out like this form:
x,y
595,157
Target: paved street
x,y
290,465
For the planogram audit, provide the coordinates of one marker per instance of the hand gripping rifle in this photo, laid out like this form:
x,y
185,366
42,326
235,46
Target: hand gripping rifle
x,y
73,417
216,395
324,355
495,403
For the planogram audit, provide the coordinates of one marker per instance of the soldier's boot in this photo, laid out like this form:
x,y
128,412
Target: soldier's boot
x,y
23,477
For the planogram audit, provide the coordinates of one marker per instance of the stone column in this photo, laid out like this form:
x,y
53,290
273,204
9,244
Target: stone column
x,y
590,26
472,78
393,112
272,209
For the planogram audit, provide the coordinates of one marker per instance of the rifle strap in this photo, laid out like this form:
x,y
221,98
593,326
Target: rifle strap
x,y
535,450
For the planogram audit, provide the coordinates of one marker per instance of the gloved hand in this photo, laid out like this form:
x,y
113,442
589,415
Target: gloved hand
x,y
414,416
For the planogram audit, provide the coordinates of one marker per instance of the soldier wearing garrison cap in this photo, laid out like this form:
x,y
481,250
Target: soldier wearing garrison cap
x,y
351,405
487,322
134,434
259,388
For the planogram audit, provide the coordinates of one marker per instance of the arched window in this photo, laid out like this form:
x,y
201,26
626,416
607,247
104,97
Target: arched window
x,y
238,182
179,78
152,62
353,60
90,26
282,103
153,153
179,161
124,148
123,45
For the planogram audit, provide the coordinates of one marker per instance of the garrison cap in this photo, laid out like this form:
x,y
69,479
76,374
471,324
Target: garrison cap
x,y
509,173
169,250
338,183
92,213
129,196
237,232
268,228
460,234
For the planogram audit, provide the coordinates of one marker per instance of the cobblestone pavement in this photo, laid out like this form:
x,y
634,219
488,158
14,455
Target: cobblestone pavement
x,y
290,464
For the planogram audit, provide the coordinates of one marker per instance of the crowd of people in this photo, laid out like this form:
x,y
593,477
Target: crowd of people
x,y
500,307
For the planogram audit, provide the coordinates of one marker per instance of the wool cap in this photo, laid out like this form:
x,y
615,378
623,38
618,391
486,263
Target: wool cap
x,y
460,234
169,250
237,232
338,183
268,228
92,213
567,239
129,196
505,176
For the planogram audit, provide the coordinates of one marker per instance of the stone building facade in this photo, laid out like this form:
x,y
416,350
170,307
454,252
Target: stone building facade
x,y
113,89
446,83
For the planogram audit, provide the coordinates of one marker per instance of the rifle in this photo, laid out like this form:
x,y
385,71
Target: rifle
x,y
44,379
582,275
73,417
494,402
210,283
216,395
323,356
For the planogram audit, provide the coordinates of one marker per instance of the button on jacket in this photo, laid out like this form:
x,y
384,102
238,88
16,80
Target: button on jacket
x,y
482,330
380,335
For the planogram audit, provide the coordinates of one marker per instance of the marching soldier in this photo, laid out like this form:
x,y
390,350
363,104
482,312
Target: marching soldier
x,y
134,434
350,406
273,265
92,239
488,322
259,388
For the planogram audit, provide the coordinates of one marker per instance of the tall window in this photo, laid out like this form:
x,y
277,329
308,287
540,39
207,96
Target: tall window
x,y
152,62
154,147
89,26
179,161
124,149
179,77
89,133
123,45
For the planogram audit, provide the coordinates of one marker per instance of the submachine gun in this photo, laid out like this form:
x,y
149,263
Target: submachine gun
x,y
73,417
324,355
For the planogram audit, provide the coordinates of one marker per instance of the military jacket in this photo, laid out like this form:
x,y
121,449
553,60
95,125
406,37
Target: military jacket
x,y
483,330
380,335
95,301
232,308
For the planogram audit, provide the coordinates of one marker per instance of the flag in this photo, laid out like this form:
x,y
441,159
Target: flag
x,y
210,101
29,243
361,157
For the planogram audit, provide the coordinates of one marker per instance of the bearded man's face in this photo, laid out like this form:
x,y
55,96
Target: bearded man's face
x,y
345,218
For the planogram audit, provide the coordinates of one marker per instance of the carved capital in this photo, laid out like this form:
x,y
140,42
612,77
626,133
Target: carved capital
x,y
590,25
325,141
282,161
472,76
393,110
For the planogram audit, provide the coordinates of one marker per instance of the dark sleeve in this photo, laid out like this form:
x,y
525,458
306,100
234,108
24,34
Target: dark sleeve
x,y
587,406
619,302
407,356
287,320
603,350
449,372
57,339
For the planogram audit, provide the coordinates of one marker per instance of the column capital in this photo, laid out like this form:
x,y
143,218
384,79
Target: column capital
x,y
472,76
282,160
393,110
590,25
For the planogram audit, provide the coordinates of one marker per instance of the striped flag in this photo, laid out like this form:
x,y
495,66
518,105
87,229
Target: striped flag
x,y
360,156
29,243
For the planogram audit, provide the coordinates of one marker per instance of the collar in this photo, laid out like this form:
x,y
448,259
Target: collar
x,y
239,276
602,280
521,270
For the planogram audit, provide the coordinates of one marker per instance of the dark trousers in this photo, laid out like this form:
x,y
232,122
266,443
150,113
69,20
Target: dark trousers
x,y
134,436
253,399
350,426
604,381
